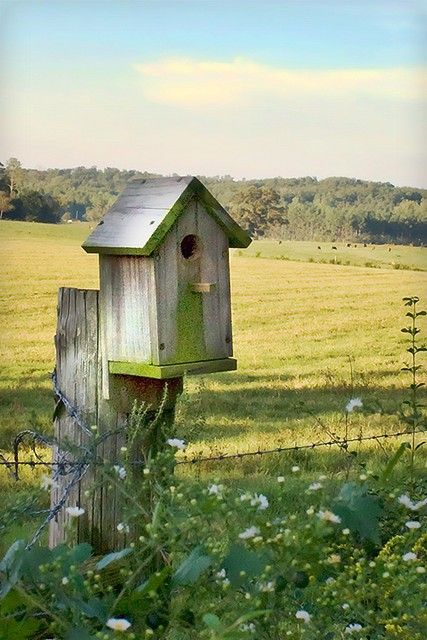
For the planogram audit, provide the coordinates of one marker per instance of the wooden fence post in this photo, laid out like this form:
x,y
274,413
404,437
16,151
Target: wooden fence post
x,y
80,375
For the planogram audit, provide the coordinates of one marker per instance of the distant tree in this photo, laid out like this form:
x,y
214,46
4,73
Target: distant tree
x,y
3,178
101,202
257,207
5,204
39,207
14,172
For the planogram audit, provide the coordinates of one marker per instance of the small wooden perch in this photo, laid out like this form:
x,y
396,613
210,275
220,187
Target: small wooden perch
x,y
203,287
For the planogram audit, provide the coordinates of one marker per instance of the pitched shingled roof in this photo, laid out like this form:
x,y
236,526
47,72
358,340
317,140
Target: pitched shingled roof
x,y
139,220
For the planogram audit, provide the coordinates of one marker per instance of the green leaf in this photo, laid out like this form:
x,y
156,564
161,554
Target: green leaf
x,y
95,608
239,559
33,558
213,622
80,553
24,630
359,511
394,460
154,581
113,557
11,565
191,568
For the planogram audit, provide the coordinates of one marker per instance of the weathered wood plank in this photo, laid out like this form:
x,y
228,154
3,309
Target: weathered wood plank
x,y
79,366
126,313
214,268
77,371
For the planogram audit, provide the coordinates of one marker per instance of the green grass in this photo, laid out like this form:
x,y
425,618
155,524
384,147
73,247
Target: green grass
x,y
386,256
297,326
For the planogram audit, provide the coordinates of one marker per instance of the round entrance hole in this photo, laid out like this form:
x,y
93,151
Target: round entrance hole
x,y
190,247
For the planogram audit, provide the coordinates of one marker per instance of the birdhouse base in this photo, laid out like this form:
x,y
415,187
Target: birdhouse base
x,y
163,372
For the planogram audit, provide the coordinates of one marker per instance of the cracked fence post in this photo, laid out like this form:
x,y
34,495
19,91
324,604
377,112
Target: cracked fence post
x,y
80,381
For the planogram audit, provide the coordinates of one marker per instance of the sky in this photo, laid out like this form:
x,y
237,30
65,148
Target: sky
x,y
217,87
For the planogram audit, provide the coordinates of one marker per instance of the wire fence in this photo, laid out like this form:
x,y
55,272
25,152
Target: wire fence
x,y
64,466
72,466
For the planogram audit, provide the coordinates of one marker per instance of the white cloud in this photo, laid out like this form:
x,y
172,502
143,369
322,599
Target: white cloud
x,y
187,82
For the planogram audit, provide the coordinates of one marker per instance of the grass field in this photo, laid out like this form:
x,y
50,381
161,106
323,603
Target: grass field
x,y
304,332
386,256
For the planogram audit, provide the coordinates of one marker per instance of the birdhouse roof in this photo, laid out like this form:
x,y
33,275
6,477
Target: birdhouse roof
x,y
139,220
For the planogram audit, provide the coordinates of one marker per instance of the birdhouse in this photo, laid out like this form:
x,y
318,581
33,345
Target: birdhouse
x,y
164,301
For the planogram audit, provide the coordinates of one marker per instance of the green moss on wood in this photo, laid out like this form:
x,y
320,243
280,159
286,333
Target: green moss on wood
x,y
162,372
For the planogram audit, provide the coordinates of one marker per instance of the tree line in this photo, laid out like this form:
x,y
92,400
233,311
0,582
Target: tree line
x,y
289,208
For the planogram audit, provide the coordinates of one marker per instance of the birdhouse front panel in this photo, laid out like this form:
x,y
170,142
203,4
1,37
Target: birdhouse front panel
x,y
193,290
127,302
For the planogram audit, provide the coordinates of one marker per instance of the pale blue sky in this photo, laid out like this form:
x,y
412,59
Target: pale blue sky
x,y
206,86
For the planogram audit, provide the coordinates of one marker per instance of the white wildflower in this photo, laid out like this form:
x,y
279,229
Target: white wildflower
x,y
121,471
322,477
251,532
303,615
175,442
409,504
409,557
363,476
122,527
260,501
328,516
334,558
280,479
248,627
346,531
46,483
413,524
266,587
406,501
310,511
65,580
118,624
221,574
215,489
354,626
75,512
330,580
315,486
295,469
420,570
353,404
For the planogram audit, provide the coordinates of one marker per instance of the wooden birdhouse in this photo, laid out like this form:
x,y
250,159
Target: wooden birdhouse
x,y
164,301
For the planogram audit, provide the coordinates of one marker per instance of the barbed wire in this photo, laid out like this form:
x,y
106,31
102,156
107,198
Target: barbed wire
x,y
342,443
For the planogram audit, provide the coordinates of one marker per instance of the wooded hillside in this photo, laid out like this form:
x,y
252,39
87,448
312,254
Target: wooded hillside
x,y
288,208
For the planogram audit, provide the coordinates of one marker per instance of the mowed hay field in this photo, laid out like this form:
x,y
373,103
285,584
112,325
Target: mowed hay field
x,y
307,337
